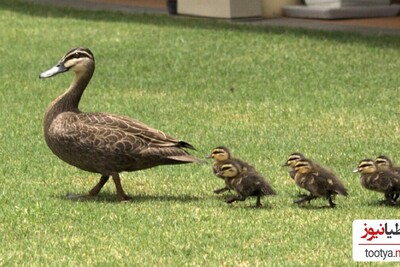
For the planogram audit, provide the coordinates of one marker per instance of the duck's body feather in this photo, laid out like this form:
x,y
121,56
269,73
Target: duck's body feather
x,y
106,143
102,142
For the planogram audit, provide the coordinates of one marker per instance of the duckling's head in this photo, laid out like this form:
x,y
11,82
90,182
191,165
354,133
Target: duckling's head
x,y
304,166
383,162
293,159
366,166
78,60
229,170
220,153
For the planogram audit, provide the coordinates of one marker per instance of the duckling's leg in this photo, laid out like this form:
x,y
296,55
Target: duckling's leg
x,y
221,190
258,202
96,189
120,191
304,199
235,198
331,204
395,196
389,199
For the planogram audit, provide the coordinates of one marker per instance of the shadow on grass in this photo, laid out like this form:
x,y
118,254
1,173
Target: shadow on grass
x,y
380,203
112,198
41,10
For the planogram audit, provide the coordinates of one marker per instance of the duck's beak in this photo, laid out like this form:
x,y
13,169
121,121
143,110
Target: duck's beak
x,y
285,164
355,170
208,157
59,68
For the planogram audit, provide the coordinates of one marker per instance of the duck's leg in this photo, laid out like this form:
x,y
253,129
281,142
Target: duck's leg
x,y
331,204
389,199
96,189
258,202
221,190
395,196
120,191
304,199
235,198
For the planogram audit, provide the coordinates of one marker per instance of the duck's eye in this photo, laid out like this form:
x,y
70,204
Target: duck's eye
x,y
76,55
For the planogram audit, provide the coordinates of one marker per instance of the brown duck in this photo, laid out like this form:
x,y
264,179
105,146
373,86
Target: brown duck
x,y
101,142
380,180
245,182
220,154
320,182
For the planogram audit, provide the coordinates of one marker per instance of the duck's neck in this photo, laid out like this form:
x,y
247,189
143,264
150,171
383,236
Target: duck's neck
x,y
69,101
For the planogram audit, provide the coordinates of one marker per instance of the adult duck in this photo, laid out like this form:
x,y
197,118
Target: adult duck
x,y
103,143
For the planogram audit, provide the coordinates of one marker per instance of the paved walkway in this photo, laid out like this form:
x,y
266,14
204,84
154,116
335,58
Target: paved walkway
x,y
373,26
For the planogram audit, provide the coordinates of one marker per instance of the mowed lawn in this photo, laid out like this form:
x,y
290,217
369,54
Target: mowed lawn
x,y
262,92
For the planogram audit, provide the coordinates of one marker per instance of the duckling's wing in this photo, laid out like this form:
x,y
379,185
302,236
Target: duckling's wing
x,y
258,183
328,181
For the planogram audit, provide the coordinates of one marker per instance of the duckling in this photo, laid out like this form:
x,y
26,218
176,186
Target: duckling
x,y
319,182
291,162
103,143
384,181
385,163
220,154
245,182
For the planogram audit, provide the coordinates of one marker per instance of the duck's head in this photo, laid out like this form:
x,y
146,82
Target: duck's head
x,y
220,153
293,159
229,169
304,166
366,166
383,162
78,60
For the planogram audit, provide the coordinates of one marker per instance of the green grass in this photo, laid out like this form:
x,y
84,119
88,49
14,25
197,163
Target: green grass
x,y
333,96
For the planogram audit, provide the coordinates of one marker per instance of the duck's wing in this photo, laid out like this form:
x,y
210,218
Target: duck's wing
x,y
117,134
326,180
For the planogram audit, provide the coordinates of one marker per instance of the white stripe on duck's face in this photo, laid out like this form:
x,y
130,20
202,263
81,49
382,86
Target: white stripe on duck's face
x,y
76,59
229,170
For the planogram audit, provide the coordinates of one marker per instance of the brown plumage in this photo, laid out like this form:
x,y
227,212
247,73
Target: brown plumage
x,y
101,142
319,181
220,154
380,180
246,183
385,163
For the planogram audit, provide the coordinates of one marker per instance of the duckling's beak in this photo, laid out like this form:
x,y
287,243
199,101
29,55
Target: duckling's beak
x,y
208,157
355,170
285,164
59,68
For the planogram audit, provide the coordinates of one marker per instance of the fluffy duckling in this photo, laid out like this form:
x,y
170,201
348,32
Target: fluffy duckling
x,y
380,180
385,163
246,183
291,162
319,181
221,154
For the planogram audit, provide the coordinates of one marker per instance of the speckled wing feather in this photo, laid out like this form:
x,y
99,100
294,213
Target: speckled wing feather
x,y
116,139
